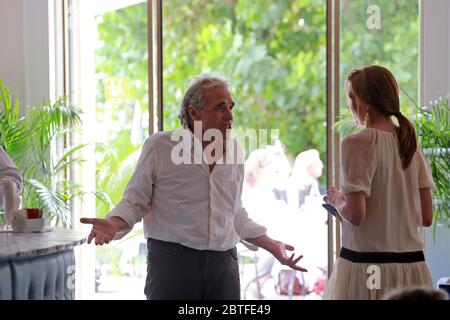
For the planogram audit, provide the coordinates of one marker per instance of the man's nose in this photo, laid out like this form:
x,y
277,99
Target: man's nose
x,y
229,115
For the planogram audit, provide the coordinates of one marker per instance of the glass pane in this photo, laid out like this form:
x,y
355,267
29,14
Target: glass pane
x,y
119,53
273,54
386,34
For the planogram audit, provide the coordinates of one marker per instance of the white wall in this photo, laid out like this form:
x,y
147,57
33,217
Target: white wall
x,y
12,70
435,83
435,77
24,47
27,66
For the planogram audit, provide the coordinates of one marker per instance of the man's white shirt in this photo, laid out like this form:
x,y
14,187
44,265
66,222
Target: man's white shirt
x,y
184,202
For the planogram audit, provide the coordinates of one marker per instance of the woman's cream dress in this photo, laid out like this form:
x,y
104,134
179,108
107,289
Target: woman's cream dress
x,y
370,163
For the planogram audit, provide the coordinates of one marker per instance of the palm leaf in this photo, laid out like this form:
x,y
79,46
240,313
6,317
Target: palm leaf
x,y
66,160
433,128
30,143
52,202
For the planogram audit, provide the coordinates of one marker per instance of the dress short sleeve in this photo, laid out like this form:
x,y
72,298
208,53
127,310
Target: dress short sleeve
x,y
358,163
425,175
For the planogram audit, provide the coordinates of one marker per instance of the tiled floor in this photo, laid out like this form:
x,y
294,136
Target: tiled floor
x,y
132,288
268,290
120,288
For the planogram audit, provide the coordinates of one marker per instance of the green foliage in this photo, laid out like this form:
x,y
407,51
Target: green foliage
x,y
433,128
395,45
123,52
123,55
273,53
275,65
29,141
346,124
121,110
115,166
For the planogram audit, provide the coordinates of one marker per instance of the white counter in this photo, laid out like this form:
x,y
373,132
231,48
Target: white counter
x,y
21,245
38,265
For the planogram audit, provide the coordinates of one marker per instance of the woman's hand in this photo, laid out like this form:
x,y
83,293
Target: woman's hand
x,y
335,197
351,207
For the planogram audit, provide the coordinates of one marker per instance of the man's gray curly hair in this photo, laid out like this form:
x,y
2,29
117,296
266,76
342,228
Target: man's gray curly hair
x,y
194,96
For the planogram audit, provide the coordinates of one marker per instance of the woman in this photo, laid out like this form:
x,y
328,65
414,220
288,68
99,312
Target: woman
x,y
386,195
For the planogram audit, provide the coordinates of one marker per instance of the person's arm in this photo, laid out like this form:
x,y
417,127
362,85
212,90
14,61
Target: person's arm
x,y
135,202
9,169
351,207
426,203
426,185
358,164
137,197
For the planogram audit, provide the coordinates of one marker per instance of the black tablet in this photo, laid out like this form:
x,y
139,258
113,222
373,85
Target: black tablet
x,y
330,208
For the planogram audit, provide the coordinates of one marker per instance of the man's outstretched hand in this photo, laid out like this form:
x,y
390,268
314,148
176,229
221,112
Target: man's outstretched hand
x,y
102,230
280,253
278,250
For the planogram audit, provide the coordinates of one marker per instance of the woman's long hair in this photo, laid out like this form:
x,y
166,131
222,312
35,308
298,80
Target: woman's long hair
x,y
376,86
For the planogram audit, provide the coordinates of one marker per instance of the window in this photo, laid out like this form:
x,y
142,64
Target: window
x,y
286,62
109,71
273,54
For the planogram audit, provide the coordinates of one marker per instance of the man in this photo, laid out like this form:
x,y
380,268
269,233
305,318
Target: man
x,y
193,217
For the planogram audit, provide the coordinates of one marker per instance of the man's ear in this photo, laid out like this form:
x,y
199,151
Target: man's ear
x,y
194,114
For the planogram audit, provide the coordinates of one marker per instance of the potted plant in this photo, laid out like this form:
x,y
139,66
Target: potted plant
x,y
30,142
433,128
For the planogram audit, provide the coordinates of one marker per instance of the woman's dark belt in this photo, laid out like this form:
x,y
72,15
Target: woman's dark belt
x,y
382,257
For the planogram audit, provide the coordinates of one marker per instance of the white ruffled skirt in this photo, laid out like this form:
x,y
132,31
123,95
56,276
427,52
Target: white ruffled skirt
x,y
372,281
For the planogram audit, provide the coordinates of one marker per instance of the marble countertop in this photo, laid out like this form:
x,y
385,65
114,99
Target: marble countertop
x,y
27,245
